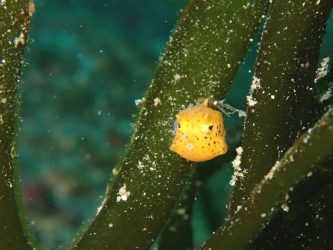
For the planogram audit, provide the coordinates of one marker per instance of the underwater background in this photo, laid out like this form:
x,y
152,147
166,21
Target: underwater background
x,y
85,65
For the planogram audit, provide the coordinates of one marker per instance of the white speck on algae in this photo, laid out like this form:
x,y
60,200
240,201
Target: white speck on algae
x,y
177,77
157,102
123,194
139,101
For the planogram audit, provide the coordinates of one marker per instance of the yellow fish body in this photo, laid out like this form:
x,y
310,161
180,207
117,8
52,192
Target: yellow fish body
x,y
199,134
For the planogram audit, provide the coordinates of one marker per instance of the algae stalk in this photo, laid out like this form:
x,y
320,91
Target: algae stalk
x,y
282,104
14,26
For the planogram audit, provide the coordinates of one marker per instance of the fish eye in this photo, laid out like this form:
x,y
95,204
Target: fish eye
x,y
176,125
210,127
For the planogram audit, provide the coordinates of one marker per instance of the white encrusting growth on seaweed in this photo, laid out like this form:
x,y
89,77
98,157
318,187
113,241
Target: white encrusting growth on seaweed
x,y
323,69
251,101
255,84
238,173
